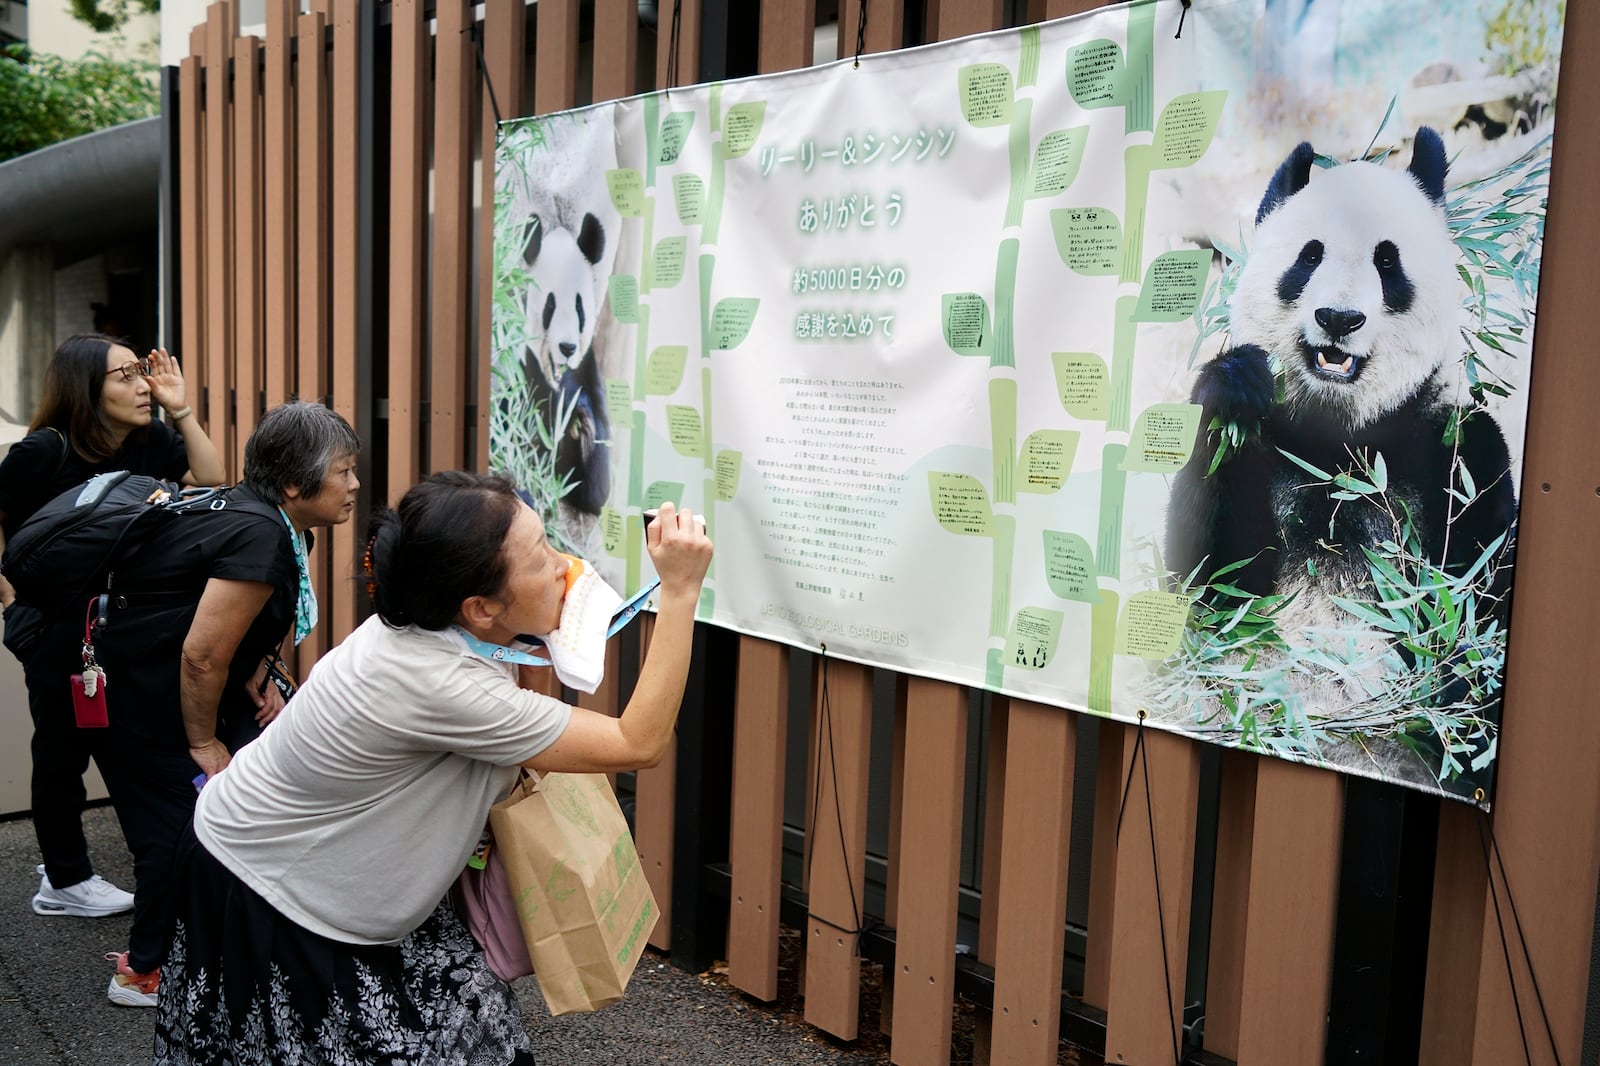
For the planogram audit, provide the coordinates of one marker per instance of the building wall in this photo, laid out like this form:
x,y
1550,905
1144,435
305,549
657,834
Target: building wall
x,y
51,28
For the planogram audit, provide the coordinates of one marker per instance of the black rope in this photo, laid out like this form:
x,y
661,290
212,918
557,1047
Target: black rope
x,y
1181,16
483,65
672,46
861,34
825,719
1487,841
1141,756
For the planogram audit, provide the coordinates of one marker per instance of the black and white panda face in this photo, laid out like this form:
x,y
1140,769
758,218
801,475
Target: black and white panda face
x,y
1351,283
561,298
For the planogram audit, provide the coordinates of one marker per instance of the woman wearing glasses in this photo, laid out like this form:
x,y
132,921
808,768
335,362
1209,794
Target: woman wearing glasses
x,y
95,417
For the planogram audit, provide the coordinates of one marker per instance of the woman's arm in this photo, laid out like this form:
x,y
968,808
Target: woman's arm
x,y
599,743
168,389
226,610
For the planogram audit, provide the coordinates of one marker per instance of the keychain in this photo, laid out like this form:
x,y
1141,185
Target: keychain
x,y
89,687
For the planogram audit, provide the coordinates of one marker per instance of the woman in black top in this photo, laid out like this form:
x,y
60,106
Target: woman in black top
x,y
95,416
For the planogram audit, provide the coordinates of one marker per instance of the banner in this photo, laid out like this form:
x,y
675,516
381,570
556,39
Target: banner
x,y
1146,373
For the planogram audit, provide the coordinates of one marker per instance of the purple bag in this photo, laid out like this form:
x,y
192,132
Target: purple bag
x,y
485,905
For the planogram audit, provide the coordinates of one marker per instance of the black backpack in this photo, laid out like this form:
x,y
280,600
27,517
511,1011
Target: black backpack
x,y
70,547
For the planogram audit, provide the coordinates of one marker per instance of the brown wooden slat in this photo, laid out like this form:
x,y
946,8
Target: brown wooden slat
x,y
1054,9
197,40
1139,1013
505,31
756,827
555,63
993,844
408,221
688,44
1547,795
341,618
1230,899
604,698
616,48
1294,889
218,411
191,224
958,18
247,314
1455,940
278,216
788,33
1108,777
654,792
886,25
313,217
838,866
453,90
1033,883
891,882
930,852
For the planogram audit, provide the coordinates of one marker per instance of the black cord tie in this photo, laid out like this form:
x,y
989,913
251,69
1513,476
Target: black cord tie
x,y
825,719
672,47
861,34
1487,840
1182,15
483,66
1142,758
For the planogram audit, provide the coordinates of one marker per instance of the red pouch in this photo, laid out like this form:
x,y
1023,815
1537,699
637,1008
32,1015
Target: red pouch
x,y
89,711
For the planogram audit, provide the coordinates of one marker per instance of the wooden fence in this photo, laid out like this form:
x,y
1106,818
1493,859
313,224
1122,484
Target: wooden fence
x,y
326,237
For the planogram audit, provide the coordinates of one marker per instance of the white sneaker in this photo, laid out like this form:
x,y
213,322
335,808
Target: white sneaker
x,y
94,898
129,989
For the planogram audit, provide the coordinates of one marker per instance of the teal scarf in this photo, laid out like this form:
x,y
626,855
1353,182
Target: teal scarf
x,y
305,604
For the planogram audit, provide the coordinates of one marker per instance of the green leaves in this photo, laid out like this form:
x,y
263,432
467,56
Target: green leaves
x,y
48,99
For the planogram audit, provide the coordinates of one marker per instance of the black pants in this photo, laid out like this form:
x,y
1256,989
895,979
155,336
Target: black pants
x,y
60,759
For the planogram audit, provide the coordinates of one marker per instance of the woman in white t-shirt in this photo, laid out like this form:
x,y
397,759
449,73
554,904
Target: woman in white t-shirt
x,y
308,923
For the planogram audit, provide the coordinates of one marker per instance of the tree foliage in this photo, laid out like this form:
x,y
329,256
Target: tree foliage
x,y
45,99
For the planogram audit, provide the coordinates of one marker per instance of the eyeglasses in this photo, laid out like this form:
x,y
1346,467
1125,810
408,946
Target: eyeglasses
x,y
133,369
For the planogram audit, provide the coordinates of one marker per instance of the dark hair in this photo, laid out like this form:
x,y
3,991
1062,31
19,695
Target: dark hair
x,y
71,399
443,544
294,444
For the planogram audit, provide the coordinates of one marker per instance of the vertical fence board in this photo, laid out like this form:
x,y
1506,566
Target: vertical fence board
x,y
1455,940
1033,883
688,45
1230,898
886,26
958,18
839,851
1109,772
1294,889
788,33
191,224
452,229
504,36
616,49
654,821
408,227
755,833
930,851
312,217
219,228
346,191
891,882
993,845
277,324
1139,1012
604,698
555,64
245,351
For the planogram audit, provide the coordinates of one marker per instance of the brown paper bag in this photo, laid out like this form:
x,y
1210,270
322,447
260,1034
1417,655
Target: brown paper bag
x,y
582,898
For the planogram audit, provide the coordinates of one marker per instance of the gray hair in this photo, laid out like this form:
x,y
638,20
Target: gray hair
x,y
295,444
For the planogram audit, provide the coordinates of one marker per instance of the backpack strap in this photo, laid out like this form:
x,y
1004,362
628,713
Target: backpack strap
x,y
66,453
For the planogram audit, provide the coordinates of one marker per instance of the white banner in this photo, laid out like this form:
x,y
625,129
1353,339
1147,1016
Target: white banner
x,y
1084,362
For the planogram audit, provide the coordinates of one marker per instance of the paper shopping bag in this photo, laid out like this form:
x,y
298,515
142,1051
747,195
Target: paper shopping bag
x,y
582,898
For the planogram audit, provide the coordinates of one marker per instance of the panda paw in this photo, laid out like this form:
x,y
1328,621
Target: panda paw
x,y
581,427
1237,386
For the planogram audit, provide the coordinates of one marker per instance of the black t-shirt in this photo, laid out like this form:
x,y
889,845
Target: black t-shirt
x,y
41,466
156,592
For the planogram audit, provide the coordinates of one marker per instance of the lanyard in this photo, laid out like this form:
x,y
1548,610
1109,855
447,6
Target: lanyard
x,y
501,654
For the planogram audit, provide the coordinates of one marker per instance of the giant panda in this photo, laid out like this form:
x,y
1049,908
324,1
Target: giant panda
x,y
1351,285
561,365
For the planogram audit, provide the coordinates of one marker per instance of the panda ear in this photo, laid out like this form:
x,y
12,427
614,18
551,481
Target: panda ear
x,y
1292,175
1428,163
591,239
535,241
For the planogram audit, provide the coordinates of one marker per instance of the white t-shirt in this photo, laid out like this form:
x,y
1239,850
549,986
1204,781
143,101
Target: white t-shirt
x,y
360,804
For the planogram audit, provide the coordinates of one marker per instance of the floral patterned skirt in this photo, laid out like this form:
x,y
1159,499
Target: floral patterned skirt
x,y
243,984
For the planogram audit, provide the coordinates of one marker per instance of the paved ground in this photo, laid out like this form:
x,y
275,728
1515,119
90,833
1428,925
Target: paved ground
x,y
53,1007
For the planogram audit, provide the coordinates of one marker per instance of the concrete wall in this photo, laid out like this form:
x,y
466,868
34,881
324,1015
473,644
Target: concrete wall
x,y
27,327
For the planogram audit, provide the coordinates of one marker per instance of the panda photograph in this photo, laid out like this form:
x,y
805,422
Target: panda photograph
x,y
1345,525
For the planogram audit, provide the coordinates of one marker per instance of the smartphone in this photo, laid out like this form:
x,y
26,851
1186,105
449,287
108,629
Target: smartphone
x,y
650,516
